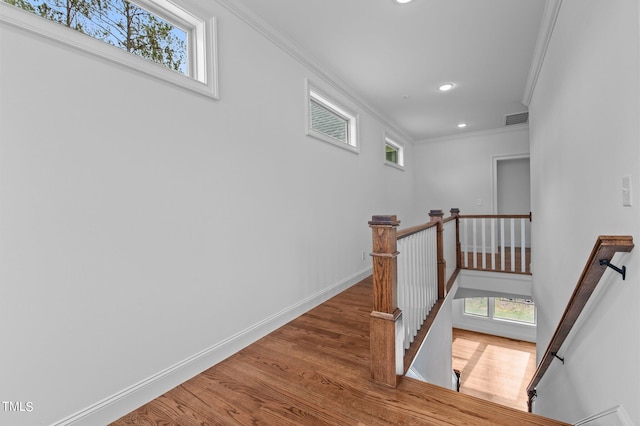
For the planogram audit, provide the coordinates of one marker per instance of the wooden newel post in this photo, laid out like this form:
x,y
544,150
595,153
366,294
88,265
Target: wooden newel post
x,y
385,312
437,216
456,213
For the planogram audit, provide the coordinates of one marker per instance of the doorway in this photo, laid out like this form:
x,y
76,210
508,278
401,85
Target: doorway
x,y
512,185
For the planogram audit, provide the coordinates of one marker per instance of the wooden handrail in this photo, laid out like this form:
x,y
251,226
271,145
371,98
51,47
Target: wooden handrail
x,y
403,233
604,248
449,219
495,216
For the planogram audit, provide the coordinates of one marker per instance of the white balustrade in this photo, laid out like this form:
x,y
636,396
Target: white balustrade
x,y
485,239
417,279
422,256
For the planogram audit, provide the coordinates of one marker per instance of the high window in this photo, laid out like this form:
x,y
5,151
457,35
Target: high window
x,y
330,121
393,153
501,308
159,31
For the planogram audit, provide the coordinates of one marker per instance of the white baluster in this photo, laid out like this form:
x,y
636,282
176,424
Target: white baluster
x,y
502,248
513,244
522,246
434,266
421,302
484,244
411,308
475,245
424,252
402,270
418,286
493,244
465,247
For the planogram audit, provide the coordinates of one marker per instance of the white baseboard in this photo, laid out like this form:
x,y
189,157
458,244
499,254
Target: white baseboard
x,y
127,400
618,416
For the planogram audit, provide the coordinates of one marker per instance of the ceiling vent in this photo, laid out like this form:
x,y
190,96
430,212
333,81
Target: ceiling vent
x,y
519,118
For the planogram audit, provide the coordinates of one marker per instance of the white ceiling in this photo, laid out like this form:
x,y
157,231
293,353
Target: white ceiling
x,y
385,52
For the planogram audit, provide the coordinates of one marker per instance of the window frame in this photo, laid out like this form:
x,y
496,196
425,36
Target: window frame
x,y
201,43
313,93
389,141
464,308
491,312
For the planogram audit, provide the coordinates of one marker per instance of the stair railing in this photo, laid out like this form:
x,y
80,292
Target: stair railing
x,y
602,253
498,243
415,268
408,289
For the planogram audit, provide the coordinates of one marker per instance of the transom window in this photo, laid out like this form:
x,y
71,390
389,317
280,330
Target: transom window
x,y
501,308
156,30
330,121
393,153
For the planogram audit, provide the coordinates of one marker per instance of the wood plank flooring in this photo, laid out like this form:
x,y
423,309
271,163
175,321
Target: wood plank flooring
x,y
494,368
315,371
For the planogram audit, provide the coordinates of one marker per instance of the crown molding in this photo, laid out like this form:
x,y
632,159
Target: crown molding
x,y
303,57
467,135
549,18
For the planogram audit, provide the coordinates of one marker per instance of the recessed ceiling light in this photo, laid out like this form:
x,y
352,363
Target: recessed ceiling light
x,y
462,125
445,87
403,1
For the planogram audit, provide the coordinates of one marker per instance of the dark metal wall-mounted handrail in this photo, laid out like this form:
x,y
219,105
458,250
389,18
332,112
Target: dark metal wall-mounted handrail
x,y
603,250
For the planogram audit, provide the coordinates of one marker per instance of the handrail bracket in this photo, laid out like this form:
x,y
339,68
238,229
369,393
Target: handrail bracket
x,y
555,354
622,271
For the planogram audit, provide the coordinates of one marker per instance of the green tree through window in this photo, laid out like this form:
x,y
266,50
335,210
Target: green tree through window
x,y
119,23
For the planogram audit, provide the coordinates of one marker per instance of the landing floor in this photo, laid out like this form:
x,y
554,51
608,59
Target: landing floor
x,y
494,368
315,371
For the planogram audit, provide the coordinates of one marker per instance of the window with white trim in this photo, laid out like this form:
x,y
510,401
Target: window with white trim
x,y
330,121
512,309
140,34
393,153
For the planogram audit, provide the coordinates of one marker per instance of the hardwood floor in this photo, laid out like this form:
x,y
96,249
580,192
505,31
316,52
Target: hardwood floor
x,y
315,371
494,368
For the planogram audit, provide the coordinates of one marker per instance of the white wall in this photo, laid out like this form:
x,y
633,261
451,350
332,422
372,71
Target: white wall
x,y
584,123
458,171
148,232
434,361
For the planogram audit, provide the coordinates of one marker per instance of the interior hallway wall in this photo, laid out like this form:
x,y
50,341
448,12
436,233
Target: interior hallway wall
x,y
584,139
148,232
458,171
